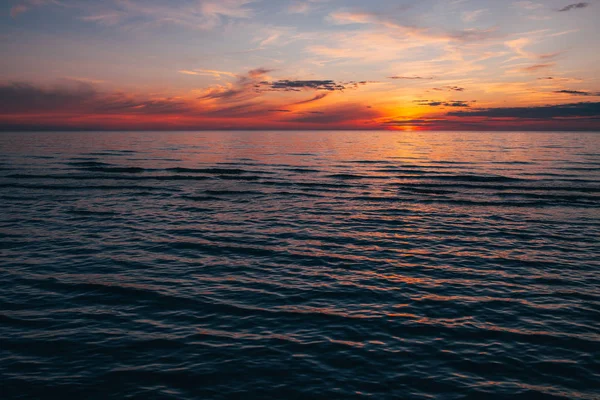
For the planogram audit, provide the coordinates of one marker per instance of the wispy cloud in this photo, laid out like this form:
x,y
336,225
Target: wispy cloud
x,y
79,97
297,85
409,77
342,113
304,6
537,112
26,5
208,72
449,103
450,88
472,16
577,92
316,97
246,87
537,67
201,14
18,9
519,45
528,5
424,34
108,19
574,6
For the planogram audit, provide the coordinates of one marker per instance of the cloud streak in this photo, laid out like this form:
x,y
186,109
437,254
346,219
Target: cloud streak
x,y
572,110
409,77
317,97
450,103
574,6
26,5
298,85
577,92
199,14
80,97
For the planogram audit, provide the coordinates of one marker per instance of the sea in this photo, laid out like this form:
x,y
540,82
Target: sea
x,y
300,265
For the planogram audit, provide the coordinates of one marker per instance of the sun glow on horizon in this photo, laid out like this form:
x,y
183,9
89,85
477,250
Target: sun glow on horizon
x,y
321,65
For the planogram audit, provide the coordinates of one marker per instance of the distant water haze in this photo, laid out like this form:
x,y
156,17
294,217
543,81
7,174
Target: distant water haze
x,y
296,265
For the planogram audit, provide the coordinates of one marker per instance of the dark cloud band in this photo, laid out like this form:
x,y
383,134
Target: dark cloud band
x,y
573,110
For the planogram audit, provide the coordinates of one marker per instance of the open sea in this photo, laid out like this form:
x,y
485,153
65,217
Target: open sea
x,y
300,265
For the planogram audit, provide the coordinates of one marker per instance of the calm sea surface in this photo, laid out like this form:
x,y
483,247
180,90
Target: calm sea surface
x,y
300,265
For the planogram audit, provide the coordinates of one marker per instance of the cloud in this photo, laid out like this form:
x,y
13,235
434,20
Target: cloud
x,y
79,97
586,109
449,103
19,97
26,5
409,77
208,72
536,67
18,9
577,92
317,97
518,46
288,85
410,122
108,19
241,98
344,113
303,7
200,14
246,87
451,88
574,6
411,31
299,7
80,105
472,16
528,5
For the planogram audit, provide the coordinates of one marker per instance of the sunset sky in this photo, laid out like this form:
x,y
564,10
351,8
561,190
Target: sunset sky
x,y
306,64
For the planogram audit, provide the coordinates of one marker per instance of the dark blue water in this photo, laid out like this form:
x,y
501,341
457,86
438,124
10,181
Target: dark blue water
x,y
324,265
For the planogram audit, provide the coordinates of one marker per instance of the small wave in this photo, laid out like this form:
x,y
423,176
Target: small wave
x,y
321,185
203,198
369,162
302,170
88,164
106,153
347,176
406,171
234,192
93,212
376,199
239,177
78,188
582,189
477,178
297,194
558,197
111,177
214,171
452,162
589,169
117,170
429,191
513,162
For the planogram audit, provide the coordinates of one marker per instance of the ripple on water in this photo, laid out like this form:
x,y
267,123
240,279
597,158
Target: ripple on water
x,y
225,265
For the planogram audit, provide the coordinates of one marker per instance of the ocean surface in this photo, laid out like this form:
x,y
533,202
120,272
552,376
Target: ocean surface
x,y
300,265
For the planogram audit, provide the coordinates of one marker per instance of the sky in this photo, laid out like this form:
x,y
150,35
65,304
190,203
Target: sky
x,y
299,64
